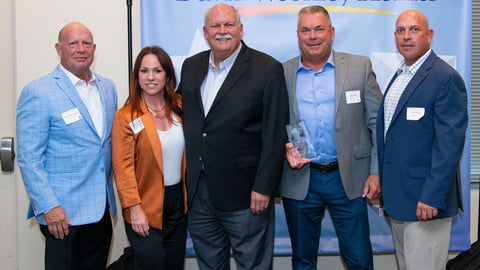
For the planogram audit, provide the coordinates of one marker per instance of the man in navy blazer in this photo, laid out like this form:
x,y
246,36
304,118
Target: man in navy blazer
x,y
235,108
421,132
64,122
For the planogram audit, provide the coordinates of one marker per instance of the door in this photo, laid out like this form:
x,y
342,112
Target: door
x,y
8,197
22,243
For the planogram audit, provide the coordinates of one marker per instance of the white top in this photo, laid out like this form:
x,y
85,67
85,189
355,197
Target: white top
x,y
173,145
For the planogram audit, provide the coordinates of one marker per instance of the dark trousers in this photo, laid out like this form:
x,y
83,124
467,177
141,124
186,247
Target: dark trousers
x,y
163,249
85,248
349,218
214,233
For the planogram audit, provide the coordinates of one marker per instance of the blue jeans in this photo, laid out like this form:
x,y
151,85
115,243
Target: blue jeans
x,y
349,218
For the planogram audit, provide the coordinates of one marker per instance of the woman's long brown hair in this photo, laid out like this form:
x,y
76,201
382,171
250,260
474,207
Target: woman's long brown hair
x,y
135,92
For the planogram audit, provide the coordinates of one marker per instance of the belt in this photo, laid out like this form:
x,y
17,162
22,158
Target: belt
x,y
325,167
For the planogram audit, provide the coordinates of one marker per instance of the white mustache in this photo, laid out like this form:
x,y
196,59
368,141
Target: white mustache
x,y
225,36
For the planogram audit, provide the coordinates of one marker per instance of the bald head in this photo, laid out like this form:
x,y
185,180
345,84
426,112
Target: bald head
x,y
416,15
412,35
73,26
76,49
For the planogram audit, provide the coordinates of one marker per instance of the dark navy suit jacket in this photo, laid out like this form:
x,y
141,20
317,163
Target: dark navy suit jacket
x,y
419,156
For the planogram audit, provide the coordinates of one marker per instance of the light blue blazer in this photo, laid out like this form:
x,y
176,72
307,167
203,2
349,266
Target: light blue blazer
x,y
63,161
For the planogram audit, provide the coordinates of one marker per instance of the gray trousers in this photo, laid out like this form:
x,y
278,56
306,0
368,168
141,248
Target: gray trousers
x,y
218,234
422,244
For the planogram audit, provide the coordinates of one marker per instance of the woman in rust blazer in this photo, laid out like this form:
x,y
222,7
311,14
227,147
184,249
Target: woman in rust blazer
x,y
149,163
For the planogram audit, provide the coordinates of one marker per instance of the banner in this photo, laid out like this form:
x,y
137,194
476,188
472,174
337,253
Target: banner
x,y
362,27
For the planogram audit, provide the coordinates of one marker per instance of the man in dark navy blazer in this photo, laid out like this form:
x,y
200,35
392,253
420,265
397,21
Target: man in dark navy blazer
x,y
235,108
421,132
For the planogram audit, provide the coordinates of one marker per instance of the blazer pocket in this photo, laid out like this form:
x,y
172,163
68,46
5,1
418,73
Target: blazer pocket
x,y
248,161
362,151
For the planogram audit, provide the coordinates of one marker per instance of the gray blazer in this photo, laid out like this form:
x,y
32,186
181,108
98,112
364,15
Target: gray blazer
x,y
354,125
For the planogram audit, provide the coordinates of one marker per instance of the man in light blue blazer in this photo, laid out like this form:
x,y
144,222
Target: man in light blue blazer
x,y
421,133
64,122
337,97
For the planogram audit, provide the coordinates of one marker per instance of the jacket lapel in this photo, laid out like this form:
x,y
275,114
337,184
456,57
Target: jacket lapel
x,y
199,77
106,119
413,85
340,77
237,71
291,68
69,90
152,134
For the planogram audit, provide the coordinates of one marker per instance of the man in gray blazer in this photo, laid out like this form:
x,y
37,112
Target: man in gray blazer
x,y
336,96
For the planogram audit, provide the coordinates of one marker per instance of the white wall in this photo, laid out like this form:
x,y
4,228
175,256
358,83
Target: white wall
x,y
29,31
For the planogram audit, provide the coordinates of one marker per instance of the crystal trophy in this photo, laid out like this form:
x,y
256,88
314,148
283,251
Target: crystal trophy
x,y
299,137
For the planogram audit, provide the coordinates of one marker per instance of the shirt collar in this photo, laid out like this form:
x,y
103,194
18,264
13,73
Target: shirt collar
x,y
414,68
330,61
227,63
74,79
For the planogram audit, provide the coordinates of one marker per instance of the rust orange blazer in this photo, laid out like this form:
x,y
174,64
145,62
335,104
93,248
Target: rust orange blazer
x,y
138,165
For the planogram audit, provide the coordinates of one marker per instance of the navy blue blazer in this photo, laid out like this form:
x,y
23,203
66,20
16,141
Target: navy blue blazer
x,y
419,156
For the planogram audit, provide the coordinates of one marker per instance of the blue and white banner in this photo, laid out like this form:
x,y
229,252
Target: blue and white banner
x,y
362,27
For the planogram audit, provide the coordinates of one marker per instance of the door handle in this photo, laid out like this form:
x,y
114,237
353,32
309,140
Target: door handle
x,y
7,154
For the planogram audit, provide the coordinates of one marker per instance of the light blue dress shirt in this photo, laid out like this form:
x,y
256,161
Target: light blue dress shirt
x,y
315,92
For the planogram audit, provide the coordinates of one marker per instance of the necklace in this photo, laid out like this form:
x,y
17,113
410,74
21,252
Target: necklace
x,y
155,113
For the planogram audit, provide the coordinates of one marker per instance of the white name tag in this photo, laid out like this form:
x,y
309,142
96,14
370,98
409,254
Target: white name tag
x,y
136,125
353,96
71,116
415,114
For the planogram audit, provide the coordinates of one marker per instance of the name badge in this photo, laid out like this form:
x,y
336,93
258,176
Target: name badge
x,y
71,116
136,125
415,113
353,96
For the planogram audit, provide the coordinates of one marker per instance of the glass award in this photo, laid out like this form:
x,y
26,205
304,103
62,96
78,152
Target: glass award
x,y
299,137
